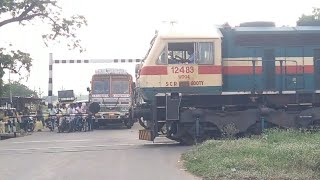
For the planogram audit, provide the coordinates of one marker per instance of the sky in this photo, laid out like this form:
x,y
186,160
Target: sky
x,y
124,29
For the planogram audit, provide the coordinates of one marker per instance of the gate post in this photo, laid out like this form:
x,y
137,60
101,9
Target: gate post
x,y
50,79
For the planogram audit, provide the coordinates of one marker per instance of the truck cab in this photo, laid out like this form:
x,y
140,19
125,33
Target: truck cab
x,y
111,91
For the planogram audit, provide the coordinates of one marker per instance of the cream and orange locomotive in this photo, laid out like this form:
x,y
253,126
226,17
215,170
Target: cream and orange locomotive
x,y
203,82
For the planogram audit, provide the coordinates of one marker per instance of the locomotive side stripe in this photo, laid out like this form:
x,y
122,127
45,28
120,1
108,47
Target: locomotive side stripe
x,y
230,70
154,70
209,69
247,70
233,70
245,61
308,69
163,70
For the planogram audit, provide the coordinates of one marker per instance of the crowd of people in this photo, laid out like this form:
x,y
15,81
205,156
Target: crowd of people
x,y
6,122
65,118
74,117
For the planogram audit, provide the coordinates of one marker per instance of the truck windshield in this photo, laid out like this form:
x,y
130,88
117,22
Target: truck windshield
x,y
101,87
120,87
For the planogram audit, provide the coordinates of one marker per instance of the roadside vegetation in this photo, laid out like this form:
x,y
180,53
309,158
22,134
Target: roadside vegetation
x,y
277,154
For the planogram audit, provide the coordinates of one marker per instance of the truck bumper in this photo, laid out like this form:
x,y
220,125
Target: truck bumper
x,y
107,121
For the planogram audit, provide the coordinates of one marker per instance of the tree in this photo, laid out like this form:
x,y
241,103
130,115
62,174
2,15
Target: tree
x,y
310,20
37,11
18,89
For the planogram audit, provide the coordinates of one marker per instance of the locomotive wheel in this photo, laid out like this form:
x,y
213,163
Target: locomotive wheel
x,y
193,141
187,140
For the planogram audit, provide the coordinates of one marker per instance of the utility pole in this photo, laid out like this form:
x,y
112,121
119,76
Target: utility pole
x,y
40,92
10,93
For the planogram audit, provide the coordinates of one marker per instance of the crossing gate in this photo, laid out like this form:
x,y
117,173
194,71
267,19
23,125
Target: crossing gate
x,y
80,61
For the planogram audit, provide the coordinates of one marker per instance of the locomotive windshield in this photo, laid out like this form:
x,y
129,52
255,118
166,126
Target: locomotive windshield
x,y
181,53
101,87
120,87
188,53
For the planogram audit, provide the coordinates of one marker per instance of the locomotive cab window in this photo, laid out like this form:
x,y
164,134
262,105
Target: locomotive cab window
x,y
181,53
205,53
163,57
191,53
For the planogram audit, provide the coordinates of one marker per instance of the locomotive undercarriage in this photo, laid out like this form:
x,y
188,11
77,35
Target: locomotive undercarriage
x,y
194,118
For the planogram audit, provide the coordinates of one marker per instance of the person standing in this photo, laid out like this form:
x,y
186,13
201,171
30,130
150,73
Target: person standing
x,y
91,118
9,114
40,116
25,119
90,121
52,115
72,112
78,116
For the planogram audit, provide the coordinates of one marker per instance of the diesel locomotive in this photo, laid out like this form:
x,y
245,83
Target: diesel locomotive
x,y
197,83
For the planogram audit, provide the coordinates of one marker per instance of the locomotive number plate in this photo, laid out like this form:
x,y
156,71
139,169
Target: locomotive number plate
x,y
182,69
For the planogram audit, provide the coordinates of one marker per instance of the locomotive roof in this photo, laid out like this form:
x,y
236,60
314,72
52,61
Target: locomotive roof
x,y
297,29
273,36
179,31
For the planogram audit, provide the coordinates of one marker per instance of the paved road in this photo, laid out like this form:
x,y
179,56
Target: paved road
x,y
114,154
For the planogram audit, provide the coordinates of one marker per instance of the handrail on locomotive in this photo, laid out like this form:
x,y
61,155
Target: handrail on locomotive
x,y
254,62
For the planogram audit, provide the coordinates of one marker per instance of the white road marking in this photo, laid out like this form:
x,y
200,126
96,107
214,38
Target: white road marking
x,y
80,147
66,147
59,141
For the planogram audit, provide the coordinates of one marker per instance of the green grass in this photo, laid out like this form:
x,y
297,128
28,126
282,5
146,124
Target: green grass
x,y
278,154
